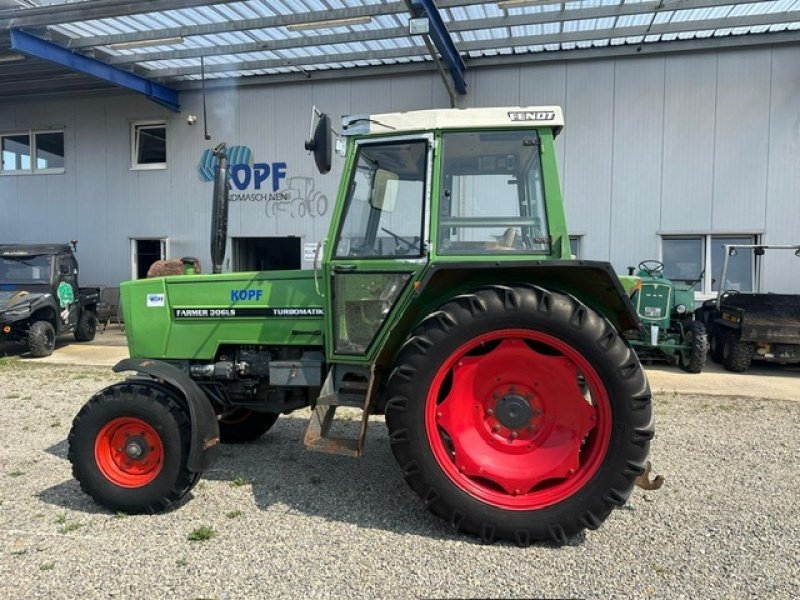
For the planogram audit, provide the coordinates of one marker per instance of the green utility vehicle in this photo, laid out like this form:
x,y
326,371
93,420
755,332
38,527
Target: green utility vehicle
x,y
666,310
445,299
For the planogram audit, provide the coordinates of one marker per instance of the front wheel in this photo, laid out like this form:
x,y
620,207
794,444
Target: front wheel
x,y
736,354
694,359
519,414
129,447
42,339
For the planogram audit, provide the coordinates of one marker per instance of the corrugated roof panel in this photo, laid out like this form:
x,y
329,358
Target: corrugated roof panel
x,y
634,20
588,24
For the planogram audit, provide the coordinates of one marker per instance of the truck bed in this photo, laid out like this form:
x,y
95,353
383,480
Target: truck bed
x,y
767,317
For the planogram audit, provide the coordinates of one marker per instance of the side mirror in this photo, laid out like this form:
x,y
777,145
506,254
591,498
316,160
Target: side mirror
x,y
385,189
321,141
219,210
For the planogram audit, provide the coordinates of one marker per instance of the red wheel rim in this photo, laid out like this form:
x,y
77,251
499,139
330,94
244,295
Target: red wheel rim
x,y
129,452
518,419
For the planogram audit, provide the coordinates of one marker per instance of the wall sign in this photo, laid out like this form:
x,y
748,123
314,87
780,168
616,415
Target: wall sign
x,y
295,197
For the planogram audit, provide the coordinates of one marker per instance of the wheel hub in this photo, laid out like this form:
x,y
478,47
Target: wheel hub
x,y
129,452
513,411
136,448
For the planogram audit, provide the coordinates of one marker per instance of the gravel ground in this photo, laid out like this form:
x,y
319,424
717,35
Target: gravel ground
x,y
290,523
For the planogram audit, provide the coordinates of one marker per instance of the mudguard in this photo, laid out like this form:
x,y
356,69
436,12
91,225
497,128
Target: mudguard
x,y
205,442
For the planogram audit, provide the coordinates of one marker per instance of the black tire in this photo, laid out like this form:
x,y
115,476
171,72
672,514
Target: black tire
x,y
161,410
563,317
736,355
41,339
694,360
87,326
244,425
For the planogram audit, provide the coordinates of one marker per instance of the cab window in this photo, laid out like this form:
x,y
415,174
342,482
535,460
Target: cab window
x,y
383,210
492,199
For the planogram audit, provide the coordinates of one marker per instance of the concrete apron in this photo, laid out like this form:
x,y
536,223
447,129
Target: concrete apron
x,y
762,380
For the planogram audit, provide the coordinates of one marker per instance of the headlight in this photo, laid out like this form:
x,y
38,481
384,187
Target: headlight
x,y
680,309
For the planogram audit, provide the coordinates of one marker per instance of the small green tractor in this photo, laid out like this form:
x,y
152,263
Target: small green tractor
x,y
666,311
445,299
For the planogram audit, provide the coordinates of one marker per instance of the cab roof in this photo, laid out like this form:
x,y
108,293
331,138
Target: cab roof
x,y
505,117
32,249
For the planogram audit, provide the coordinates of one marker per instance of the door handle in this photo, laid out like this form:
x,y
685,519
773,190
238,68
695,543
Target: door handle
x,y
344,268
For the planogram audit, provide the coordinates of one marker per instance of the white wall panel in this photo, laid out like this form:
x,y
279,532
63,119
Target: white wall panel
x,y
637,155
588,155
740,153
690,96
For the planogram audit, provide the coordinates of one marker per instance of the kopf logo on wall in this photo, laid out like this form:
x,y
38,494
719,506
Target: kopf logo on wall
x,y
263,182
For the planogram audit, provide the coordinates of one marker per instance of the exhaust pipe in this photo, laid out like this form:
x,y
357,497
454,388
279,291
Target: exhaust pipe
x,y
219,210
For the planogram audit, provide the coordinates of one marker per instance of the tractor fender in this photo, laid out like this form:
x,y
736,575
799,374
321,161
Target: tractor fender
x,y
205,441
592,282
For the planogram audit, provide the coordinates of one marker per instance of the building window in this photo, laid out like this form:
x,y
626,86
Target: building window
x,y
31,152
149,145
575,243
698,260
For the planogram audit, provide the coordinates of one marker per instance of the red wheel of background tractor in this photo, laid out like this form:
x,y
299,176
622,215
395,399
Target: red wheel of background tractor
x,y
519,413
129,452
509,425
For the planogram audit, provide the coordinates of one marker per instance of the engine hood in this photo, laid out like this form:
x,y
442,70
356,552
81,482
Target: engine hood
x,y
10,300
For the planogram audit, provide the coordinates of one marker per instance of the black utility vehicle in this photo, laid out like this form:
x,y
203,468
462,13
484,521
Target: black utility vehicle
x,y
744,326
40,298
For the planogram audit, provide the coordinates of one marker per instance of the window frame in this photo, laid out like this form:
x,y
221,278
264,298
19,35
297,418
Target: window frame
x,y
578,238
33,170
706,291
437,214
147,123
428,139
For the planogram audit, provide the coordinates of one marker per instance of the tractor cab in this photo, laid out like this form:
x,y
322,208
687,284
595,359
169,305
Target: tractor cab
x,y
419,188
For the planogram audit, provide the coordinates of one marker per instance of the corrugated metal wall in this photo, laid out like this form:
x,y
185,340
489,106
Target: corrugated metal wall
x,y
667,144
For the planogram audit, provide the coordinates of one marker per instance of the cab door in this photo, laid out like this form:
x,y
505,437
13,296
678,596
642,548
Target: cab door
x,y
381,244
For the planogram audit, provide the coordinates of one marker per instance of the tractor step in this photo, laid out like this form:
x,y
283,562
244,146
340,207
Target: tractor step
x,y
355,394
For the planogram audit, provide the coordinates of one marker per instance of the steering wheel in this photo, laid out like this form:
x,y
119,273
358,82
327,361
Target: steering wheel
x,y
412,246
652,267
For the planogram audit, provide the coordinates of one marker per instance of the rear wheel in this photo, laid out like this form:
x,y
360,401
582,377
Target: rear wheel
x,y
87,326
244,425
519,414
41,339
694,359
129,447
736,354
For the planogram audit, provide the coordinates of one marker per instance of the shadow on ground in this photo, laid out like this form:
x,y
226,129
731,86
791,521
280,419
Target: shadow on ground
x,y
368,492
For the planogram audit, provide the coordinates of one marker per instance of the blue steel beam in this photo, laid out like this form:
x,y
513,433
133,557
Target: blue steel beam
x,y
443,41
39,48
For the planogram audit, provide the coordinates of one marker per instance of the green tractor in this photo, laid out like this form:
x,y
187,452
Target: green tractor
x,y
666,311
445,299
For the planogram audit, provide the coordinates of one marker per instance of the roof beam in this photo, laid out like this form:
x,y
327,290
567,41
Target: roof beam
x,y
396,32
557,38
443,41
48,51
55,14
369,10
